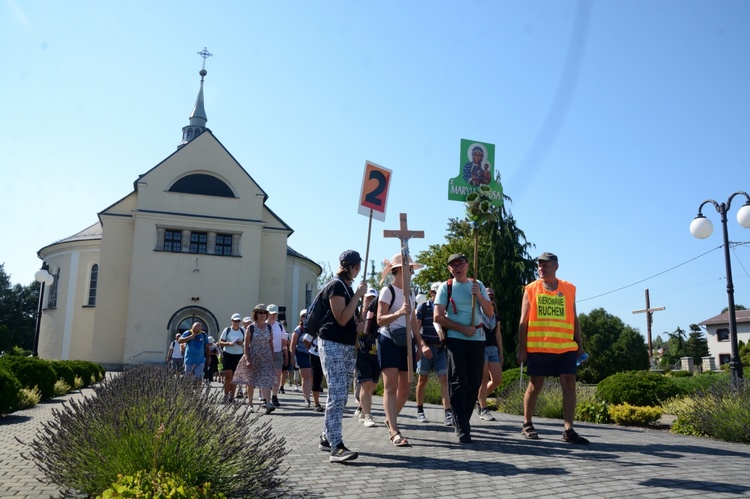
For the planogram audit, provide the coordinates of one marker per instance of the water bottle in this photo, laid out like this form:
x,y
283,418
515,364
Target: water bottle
x,y
583,358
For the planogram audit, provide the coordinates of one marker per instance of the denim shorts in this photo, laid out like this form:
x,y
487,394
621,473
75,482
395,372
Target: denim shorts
x,y
195,369
303,359
438,362
491,354
551,364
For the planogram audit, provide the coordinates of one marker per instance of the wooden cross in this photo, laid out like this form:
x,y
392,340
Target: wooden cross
x,y
404,234
649,320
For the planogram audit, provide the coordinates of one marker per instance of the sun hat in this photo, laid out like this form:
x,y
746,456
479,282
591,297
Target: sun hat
x,y
396,261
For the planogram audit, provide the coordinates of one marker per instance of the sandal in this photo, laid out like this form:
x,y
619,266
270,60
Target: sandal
x,y
528,431
398,440
572,437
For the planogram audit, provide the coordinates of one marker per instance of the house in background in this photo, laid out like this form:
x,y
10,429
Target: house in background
x,y
717,334
193,241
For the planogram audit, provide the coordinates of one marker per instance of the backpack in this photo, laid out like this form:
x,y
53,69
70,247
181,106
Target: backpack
x,y
370,333
318,310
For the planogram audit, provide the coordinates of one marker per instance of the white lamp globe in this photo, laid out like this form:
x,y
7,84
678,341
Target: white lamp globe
x,y
743,216
701,227
43,277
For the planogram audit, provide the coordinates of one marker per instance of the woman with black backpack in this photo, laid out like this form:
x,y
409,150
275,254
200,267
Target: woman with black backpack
x,y
338,334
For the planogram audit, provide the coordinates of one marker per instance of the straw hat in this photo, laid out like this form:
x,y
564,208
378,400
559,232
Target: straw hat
x,y
396,261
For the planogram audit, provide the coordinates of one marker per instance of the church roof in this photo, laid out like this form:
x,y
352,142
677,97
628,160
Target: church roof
x,y
89,233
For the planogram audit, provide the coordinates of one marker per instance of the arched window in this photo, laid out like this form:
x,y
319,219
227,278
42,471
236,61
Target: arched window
x,y
92,284
200,183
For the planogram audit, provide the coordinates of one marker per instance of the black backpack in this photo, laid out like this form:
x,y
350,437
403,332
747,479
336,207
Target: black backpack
x,y
370,333
318,310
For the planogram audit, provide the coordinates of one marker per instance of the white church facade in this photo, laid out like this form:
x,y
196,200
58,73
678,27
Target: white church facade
x,y
193,241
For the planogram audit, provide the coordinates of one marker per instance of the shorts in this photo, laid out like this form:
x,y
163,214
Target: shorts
x,y
438,362
231,360
368,367
551,364
391,356
491,354
289,365
195,369
278,359
303,359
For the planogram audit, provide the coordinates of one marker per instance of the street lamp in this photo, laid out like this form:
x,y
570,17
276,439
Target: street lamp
x,y
43,277
701,227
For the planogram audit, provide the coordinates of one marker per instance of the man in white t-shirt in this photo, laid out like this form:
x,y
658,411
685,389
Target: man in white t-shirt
x,y
280,349
231,341
175,354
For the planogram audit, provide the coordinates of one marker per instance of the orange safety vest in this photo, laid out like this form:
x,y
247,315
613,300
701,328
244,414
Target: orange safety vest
x,y
551,319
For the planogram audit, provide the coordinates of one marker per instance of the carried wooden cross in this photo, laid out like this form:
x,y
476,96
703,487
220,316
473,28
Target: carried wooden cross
x,y
404,234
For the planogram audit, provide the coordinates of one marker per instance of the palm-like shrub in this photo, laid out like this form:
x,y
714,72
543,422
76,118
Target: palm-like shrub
x,y
151,419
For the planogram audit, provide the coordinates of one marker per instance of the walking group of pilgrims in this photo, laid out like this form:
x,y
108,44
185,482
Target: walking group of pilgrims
x,y
456,334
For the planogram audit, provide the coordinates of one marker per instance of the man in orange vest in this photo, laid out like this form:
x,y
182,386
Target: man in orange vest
x,y
549,341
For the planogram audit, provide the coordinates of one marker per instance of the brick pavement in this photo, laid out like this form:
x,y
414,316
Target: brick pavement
x,y
620,462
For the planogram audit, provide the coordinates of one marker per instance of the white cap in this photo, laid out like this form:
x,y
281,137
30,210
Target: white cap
x,y
236,317
302,312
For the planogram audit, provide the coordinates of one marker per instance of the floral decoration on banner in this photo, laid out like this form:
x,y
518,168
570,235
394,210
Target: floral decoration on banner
x,y
478,203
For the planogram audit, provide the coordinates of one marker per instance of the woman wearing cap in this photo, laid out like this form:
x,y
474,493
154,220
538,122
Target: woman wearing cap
x,y
394,358
256,368
302,355
231,340
338,334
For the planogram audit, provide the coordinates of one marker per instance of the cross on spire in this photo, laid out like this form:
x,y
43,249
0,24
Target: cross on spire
x,y
205,54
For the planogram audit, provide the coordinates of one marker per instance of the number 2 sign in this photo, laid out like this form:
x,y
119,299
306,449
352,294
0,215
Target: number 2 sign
x,y
374,195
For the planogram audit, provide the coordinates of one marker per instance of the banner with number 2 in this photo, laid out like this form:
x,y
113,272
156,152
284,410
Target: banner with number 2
x,y
374,195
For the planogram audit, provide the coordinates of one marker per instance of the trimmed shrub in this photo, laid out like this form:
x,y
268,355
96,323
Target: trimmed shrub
x,y
641,388
680,374
9,388
32,372
28,398
63,371
90,372
632,415
158,484
691,384
151,419
510,377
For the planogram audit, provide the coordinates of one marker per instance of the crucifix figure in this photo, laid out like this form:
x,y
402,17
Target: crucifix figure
x,y
649,320
404,234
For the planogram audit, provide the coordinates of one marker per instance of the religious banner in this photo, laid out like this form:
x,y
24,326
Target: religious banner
x,y
476,174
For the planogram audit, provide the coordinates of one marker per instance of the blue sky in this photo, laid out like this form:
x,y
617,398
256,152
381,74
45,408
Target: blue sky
x,y
612,122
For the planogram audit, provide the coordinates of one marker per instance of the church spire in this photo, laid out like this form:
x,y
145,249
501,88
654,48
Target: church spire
x,y
198,117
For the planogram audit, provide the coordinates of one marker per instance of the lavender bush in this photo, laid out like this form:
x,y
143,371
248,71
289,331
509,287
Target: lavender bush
x,y
89,442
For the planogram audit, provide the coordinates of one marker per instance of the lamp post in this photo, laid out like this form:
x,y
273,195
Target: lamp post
x,y
701,227
43,277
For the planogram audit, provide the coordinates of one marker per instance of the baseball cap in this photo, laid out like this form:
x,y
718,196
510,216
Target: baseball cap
x,y
302,312
372,292
457,256
272,309
236,317
350,257
546,256
435,286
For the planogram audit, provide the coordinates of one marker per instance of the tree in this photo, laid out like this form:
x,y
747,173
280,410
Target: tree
x,y
612,346
504,264
736,307
675,348
326,274
18,305
696,345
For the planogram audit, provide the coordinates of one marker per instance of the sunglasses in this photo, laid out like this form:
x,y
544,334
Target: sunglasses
x,y
262,312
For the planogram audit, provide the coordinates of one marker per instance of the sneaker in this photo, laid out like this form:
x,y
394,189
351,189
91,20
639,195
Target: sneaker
x,y
320,408
421,417
324,445
270,408
342,454
239,394
260,397
486,415
358,413
478,407
281,390
449,419
307,404
275,401
369,422
296,388
572,437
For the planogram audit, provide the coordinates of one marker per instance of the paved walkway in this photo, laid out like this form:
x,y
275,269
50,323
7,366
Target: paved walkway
x,y
620,462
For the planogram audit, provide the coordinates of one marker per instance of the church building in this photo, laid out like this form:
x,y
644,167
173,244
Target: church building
x,y
193,241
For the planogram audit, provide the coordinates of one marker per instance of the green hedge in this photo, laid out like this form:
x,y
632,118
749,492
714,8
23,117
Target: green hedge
x,y
9,388
32,372
641,388
64,372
